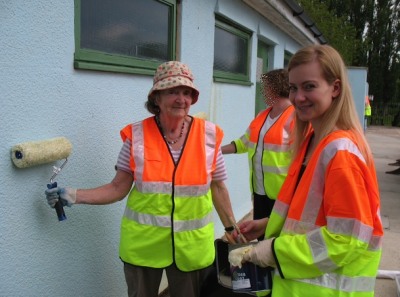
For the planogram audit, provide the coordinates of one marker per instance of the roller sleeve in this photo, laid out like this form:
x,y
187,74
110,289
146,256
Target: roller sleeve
x,y
34,153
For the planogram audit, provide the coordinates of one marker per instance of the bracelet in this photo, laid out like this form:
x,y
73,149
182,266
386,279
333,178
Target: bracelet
x,y
229,229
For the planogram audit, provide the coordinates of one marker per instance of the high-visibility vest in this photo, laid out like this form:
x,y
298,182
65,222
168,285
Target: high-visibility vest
x,y
328,228
276,156
368,111
168,215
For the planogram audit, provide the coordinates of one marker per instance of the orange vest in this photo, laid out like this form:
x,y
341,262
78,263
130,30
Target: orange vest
x,y
276,155
168,215
328,226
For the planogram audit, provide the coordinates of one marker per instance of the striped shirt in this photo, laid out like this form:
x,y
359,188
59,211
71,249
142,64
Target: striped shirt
x,y
123,162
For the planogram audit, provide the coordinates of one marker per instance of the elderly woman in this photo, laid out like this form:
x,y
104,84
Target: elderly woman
x,y
178,171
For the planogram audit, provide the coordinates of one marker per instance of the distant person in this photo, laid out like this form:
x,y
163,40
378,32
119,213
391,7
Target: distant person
x,y
367,112
324,236
266,143
177,170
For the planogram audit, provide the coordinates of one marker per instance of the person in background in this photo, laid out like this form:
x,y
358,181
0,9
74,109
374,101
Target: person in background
x,y
167,224
324,235
266,142
367,112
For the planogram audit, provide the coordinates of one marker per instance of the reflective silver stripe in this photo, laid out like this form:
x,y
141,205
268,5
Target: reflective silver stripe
x,y
375,243
251,145
166,188
147,219
278,148
298,227
342,283
350,227
180,226
195,190
275,169
336,225
281,208
319,251
345,226
287,129
316,189
165,221
210,141
245,138
154,187
138,146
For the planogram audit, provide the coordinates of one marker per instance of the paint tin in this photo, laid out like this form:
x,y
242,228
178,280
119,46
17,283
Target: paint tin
x,y
250,277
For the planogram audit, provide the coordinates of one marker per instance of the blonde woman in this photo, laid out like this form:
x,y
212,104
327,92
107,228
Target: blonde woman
x,y
324,235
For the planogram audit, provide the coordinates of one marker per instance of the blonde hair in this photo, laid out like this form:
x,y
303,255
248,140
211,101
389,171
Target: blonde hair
x,y
342,112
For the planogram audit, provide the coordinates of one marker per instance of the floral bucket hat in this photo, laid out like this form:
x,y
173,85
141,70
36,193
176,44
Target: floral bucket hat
x,y
173,74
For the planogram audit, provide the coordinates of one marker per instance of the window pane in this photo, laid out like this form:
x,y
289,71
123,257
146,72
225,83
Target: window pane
x,y
136,28
230,52
287,59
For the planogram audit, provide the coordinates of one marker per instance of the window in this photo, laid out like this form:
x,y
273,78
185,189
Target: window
x,y
231,52
286,58
131,36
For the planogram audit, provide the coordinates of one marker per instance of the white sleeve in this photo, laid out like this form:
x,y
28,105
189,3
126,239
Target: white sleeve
x,y
220,172
123,162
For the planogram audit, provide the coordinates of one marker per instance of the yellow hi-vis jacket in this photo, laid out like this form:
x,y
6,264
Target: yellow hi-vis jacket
x,y
168,215
328,228
276,155
367,109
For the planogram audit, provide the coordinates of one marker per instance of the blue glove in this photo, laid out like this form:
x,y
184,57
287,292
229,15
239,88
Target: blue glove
x,y
67,196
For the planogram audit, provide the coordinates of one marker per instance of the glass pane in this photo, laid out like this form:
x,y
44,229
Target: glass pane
x,y
136,28
286,59
230,52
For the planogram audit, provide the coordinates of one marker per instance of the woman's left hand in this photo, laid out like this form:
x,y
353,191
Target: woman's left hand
x,y
261,254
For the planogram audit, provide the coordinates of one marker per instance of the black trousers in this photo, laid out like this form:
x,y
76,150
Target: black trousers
x,y
262,207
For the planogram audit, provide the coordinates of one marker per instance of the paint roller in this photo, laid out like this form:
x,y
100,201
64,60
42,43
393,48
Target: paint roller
x,y
34,153
201,115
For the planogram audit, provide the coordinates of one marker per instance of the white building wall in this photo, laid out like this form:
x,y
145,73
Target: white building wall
x,y
359,89
43,96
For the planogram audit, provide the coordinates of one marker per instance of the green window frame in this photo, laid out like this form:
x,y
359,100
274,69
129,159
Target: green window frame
x,y
101,59
231,42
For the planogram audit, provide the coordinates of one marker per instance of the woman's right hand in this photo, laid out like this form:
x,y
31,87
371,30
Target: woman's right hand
x,y
67,196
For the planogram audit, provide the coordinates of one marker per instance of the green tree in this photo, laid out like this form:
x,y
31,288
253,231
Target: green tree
x,y
383,51
366,33
336,29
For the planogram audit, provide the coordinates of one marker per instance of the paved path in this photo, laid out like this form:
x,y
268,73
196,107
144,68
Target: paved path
x,y
385,145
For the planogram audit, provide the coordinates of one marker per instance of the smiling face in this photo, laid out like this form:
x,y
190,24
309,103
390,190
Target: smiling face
x,y
310,93
175,102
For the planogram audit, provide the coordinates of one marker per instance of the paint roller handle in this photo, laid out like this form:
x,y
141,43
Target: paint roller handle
x,y
58,206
